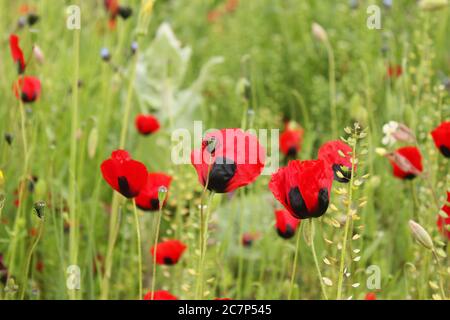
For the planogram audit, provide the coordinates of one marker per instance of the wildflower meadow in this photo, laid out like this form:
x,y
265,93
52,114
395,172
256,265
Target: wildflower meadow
x,y
224,150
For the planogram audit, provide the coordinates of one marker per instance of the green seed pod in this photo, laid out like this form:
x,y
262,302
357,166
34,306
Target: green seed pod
x,y
421,235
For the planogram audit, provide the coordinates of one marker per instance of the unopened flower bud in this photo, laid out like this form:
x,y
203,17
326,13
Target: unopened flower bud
x,y
38,54
421,235
104,53
319,32
162,194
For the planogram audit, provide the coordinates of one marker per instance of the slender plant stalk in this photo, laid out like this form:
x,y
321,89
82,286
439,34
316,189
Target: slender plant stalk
x,y
294,264
332,82
30,256
347,226
115,202
441,281
155,249
13,244
73,236
316,262
139,249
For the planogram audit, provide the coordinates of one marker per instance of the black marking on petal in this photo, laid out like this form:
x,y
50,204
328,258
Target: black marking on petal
x,y
125,12
124,187
154,204
322,203
288,233
445,151
222,171
168,261
32,19
291,153
27,99
409,176
347,174
298,204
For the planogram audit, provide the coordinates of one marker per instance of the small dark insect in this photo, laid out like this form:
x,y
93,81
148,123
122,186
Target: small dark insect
x,y
9,138
39,208
32,19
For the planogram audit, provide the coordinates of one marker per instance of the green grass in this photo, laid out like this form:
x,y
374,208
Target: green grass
x,y
269,43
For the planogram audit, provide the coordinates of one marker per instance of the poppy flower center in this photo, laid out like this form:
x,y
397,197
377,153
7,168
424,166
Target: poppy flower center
x,y
445,151
222,171
292,152
288,233
168,261
124,187
346,173
298,204
154,204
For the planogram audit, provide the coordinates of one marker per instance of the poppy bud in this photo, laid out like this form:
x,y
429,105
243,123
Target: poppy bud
x,y
319,32
9,138
430,5
39,208
406,163
421,235
104,53
134,47
387,3
21,22
38,54
441,138
162,193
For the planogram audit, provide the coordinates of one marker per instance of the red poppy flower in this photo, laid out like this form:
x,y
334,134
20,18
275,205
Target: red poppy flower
x,y
231,5
40,266
214,15
290,142
443,224
123,174
168,252
28,89
370,296
441,137
303,187
160,295
146,124
406,163
232,157
222,299
248,239
147,199
286,224
17,53
114,9
394,71
338,155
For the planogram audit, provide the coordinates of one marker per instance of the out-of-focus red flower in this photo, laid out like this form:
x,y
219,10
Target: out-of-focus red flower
x,y
123,174
40,266
303,187
441,137
338,156
248,238
147,199
16,53
146,124
27,88
231,5
444,223
214,15
406,163
160,295
286,224
290,142
394,71
370,296
115,9
228,159
168,252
